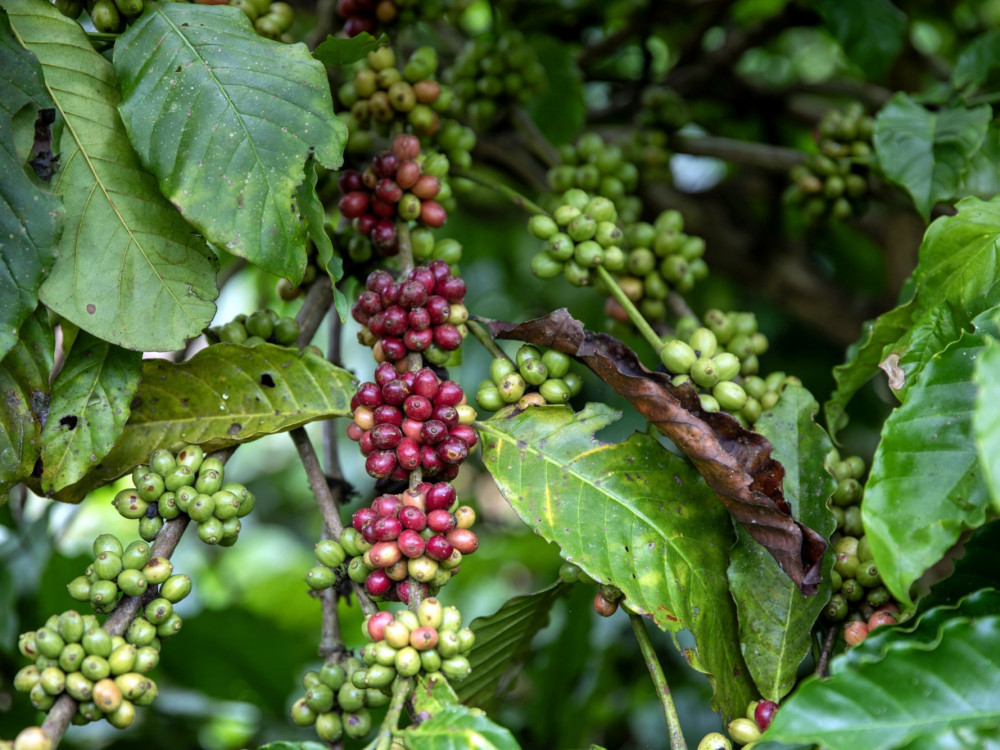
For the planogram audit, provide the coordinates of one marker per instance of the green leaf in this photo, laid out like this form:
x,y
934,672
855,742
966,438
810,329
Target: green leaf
x,y
335,53
776,619
129,270
91,401
986,418
983,177
926,485
315,216
458,728
24,400
224,395
919,690
631,514
502,640
559,110
31,219
226,119
870,31
433,693
974,570
978,61
956,279
928,153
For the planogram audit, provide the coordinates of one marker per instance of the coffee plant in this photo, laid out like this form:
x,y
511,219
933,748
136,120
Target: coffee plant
x,y
640,363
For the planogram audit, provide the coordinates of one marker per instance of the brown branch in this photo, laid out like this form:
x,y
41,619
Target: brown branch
x,y
314,309
824,655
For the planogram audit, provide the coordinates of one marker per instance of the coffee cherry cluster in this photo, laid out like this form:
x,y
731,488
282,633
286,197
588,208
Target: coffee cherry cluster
x,y
661,258
664,109
423,313
599,168
859,597
108,16
129,571
421,534
189,482
580,235
331,556
744,731
394,186
370,15
270,19
531,379
846,133
263,326
649,150
406,643
827,188
491,73
334,705
380,92
607,599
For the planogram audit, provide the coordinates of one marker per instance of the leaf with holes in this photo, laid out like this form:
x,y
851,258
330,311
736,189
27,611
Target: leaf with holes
x,y
226,120
224,395
926,484
31,219
776,620
129,269
631,514
24,400
937,682
91,401
502,639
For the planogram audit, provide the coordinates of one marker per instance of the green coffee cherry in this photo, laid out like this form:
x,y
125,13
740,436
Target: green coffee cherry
x,y
132,582
210,530
191,456
542,227
129,504
730,396
556,362
180,476
349,697
108,543
97,643
166,506
170,626
500,367
157,570
677,356
703,372
122,659
555,391
744,730
330,553
329,727
79,687
135,556
489,399
208,482
149,527
704,343
511,387
150,486
320,577
95,668
534,371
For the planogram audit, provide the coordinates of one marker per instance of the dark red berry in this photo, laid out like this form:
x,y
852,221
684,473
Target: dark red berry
x,y
365,443
418,408
393,348
385,164
465,433
387,190
412,518
418,341
406,146
407,174
350,181
370,302
433,432
447,474
426,383
438,308
385,436
386,528
378,583
361,517
396,321
376,324
369,395
354,432
449,394
403,588
353,204
446,414
358,314
430,461
419,319
384,373
380,463
447,337
426,278
453,450
378,281
377,623
440,521
359,24
764,713
408,453
386,414
383,235
410,543
439,548
412,294
440,496
395,392
387,505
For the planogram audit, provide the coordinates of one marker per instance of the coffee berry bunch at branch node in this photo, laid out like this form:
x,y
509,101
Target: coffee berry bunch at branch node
x,y
744,731
395,187
261,327
530,379
599,168
186,482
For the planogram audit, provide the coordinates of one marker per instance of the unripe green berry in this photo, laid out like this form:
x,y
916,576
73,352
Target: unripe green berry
x,y
560,247
588,254
130,505
191,456
210,530
146,659
150,526
78,687
511,387
166,506
329,727
556,362
135,556
301,714
150,486
456,668
704,343
330,553
534,371
332,675
320,577
677,356
26,678
350,698
555,391
157,570
71,657
836,608
730,396
542,227
170,626
179,476
97,642
95,668
107,543
489,399
122,659
744,730
703,372
601,209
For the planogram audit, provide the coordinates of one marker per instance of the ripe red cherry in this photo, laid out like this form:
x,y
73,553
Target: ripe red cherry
x,y
388,191
440,496
388,414
412,518
361,517
393,348
419,319
385,436
426,383
449,394
439,548
396,320
438,308
384,373
433,432
386,528
395,392
453,450
447,337
465,433
433,214
452,288
377,583
377,623
426,187
425,276
446,414
764,713
353,204
408,454
418,407
406,146
380,463
464,540
407,174
387,505
418,341
385,164
413,294
350,181
440,521
410,543
369,395
379,281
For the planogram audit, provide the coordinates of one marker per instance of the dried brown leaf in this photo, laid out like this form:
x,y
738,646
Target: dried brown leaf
x,y
735,462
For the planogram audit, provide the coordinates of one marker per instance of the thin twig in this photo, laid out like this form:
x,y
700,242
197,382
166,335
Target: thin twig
x,y
824,655
314,309
633,312
401,691
660,681
478,330
762,155
515,197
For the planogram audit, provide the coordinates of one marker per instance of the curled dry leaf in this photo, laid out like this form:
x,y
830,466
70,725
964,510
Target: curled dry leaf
x,y
735,462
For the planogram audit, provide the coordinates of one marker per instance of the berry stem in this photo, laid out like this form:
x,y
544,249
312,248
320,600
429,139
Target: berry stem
x,y
515,197
328,506
633,312
401,691
482,335
660,681
405,248
824,654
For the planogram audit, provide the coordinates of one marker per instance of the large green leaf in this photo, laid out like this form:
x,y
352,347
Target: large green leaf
x,y
502,639
957,278
24,400
224,395
335,52
129,269
921,690
986,417
226,119
30,220
926,485
632,514
458,728
776,619
91,401
978,61
928,153
870,31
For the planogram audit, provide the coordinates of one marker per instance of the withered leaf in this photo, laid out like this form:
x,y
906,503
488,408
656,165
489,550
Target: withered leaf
x,y
736,462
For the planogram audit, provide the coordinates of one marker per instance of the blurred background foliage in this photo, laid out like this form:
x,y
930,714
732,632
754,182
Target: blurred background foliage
x,y
251,627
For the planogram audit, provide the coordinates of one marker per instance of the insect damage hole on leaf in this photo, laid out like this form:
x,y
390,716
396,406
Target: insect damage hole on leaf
x,y
266,380
68,421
